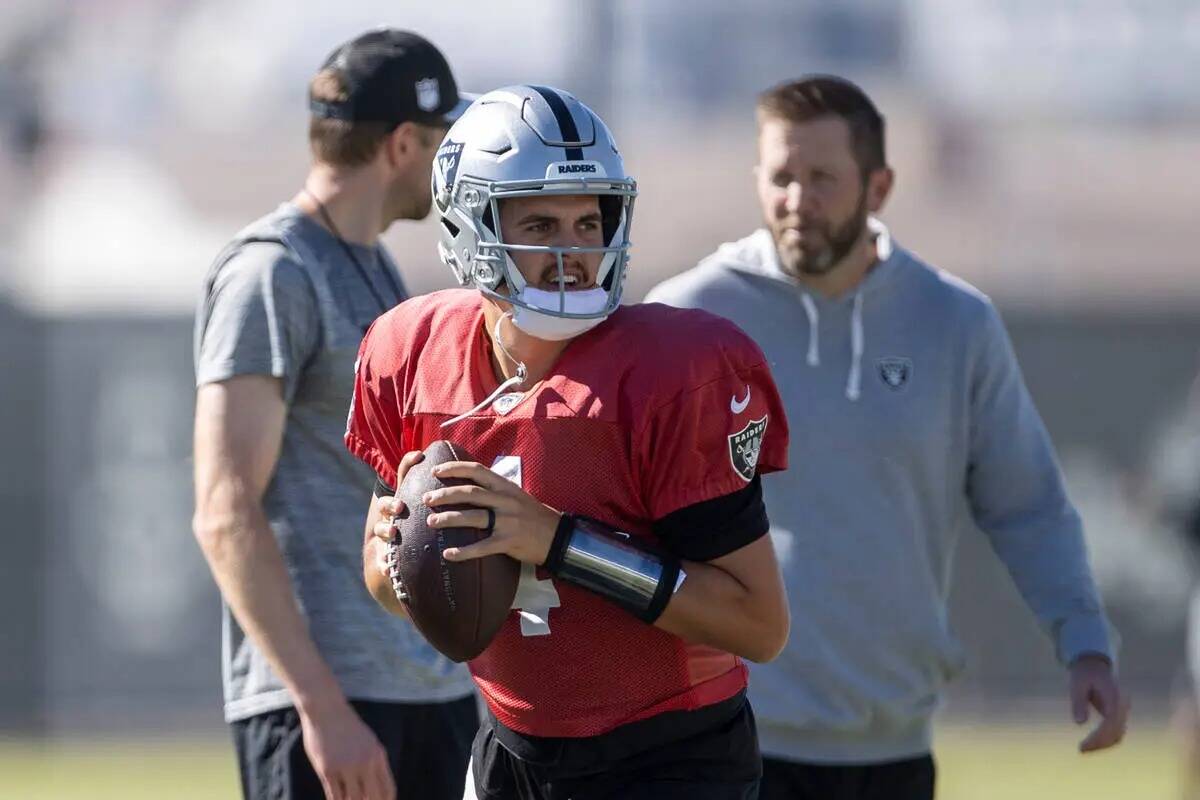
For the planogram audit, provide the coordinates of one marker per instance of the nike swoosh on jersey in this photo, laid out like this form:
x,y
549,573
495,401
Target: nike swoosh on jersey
x,y
738,406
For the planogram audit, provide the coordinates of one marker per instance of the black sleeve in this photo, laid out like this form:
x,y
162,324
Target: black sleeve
x,y
382,489
716,527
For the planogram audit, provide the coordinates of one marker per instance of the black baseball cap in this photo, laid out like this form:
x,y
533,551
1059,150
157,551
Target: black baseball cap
x,y
392,76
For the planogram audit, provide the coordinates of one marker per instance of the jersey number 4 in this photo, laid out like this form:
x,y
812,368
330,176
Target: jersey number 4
x,y
534,597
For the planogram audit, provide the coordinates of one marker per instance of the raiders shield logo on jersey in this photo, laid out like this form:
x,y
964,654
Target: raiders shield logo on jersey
x,y
744,447
895,372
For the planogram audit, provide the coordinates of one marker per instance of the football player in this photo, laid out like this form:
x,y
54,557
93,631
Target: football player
x,y
620,449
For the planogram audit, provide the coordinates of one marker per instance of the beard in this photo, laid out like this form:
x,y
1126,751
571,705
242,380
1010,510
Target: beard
x,y
825,244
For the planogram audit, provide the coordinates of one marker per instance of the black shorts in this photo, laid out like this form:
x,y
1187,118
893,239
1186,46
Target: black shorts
x,y
709,754
428,746
910,779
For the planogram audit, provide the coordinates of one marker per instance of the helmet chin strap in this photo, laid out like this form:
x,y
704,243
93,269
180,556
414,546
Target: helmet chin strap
x,y
515,380
499,340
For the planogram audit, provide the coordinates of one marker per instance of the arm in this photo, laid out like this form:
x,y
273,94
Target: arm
x,y
238,432
375,568
378,532
1017,497
735,602
239,428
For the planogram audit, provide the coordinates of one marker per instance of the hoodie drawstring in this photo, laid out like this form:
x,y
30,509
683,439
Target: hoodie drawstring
x,y
814,350
854,380
857,344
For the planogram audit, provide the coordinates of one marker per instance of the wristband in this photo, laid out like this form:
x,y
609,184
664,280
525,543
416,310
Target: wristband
x,y
614,565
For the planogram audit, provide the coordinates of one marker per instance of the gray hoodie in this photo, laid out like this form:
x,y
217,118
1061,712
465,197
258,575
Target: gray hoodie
x,y
910,420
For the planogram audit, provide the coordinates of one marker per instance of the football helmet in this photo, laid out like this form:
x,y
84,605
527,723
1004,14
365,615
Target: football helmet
x,y
521,141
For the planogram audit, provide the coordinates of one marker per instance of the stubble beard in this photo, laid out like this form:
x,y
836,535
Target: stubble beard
x,y
839,241
407,202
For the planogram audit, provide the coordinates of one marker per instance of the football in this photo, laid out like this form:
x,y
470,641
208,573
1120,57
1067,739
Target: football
x,y
457,607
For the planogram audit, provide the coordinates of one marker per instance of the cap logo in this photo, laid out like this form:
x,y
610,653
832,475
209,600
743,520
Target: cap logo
x,y
429,94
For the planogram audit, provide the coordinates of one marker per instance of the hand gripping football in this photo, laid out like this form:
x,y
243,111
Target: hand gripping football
x,y
457,606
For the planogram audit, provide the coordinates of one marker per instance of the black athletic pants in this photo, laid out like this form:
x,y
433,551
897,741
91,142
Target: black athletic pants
x,y
428,747
911,779
708,754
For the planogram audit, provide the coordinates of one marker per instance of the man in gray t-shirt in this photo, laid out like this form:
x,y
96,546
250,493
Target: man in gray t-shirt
x,y
327,694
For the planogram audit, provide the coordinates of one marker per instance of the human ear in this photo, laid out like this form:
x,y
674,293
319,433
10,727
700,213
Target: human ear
x,y
879,187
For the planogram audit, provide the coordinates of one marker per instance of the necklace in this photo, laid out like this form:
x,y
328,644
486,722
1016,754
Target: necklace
x,y
358,266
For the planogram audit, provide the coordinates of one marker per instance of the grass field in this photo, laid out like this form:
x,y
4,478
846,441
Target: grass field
x,y
1042,763
996,763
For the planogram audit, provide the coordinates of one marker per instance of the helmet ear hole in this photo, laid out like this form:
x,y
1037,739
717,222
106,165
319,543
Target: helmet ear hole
x,y
450,227
489,221
611,208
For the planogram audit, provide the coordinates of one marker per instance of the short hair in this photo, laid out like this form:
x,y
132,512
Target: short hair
x,y
818,96
338,142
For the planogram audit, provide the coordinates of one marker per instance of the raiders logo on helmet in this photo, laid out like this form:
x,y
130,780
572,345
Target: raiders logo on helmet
x,y
446,164
895,372
744,447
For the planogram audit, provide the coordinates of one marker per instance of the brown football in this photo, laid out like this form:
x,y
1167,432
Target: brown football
x,y
457,607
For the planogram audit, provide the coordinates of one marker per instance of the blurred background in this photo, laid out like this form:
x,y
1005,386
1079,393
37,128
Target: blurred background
x,y
1046,151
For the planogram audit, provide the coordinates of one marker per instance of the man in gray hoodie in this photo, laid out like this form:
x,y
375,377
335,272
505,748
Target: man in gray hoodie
x,y
911,420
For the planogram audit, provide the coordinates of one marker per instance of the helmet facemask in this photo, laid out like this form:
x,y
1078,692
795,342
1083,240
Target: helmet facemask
x,y
487,263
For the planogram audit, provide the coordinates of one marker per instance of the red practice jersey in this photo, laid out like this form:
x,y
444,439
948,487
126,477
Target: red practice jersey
x,y
655,409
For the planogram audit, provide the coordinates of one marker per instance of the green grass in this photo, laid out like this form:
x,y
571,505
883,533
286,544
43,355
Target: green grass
x,y
1000,762
174,769
1042,762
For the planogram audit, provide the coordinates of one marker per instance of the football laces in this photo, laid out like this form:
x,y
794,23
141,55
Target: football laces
x,y
392,561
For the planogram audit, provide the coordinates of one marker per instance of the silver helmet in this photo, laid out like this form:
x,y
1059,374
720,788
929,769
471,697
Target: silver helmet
x,y
521,141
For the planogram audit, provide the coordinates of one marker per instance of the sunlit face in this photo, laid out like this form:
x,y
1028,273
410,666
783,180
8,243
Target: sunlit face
x,y
554,221
812,193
